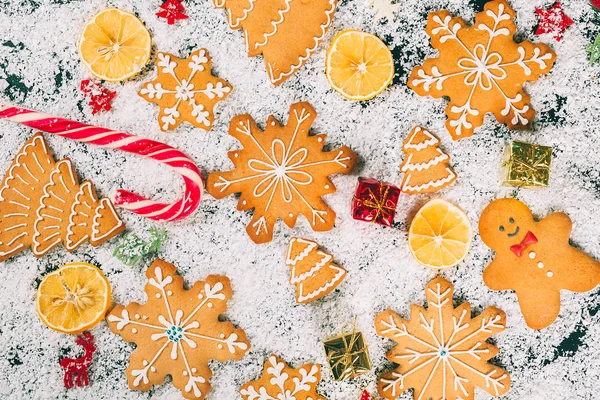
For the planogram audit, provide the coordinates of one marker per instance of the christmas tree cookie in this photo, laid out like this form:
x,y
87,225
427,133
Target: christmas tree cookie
x,y
178,331
43,205
285,32
313,272
425,166
281,172
481,69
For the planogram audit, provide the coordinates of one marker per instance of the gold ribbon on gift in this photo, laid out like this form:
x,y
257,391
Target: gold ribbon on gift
x,y
377,204
528,164
347,362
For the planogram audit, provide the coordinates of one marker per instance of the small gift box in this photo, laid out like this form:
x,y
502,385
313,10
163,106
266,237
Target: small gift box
x,y
527,164
347,354
375,201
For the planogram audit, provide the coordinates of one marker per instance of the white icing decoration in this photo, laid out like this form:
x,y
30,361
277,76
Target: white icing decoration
x,y
117,222
532,254
442,352
550,274
540,264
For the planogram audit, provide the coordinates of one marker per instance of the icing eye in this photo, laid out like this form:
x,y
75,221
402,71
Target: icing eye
x,y
501,229
511,220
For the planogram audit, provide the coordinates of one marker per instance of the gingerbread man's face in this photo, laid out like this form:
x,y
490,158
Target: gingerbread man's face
x,y
505,222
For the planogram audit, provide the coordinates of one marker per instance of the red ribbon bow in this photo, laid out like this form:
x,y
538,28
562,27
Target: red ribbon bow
x,y
519,248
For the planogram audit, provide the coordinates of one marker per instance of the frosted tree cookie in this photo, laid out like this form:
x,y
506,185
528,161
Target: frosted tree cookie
x,y
280,381
534,258
425,166
481,69
281,172
43,205
285,32
185,90
178,331
442,352
312,271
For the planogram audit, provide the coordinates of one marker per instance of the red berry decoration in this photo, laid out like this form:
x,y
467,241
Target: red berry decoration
x,y
366,396
100,97
172,11
595,4
78,367
554,21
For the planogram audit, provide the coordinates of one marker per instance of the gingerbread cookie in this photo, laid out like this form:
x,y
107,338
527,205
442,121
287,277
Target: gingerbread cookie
x,y
177,331
481,69
313,272
43,205
534,258
281,172
185,90
425,166
280,381
285,32
442,352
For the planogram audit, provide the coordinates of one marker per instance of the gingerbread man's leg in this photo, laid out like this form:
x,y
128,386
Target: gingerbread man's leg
x,y
540,306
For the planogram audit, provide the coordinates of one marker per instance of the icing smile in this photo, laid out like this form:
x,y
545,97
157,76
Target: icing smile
x,y
515,233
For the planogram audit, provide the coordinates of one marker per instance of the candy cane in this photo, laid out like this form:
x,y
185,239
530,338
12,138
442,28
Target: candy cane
x,y
132,144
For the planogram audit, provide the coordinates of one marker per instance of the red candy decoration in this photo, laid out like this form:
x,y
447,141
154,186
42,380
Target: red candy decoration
x,y
78,367
172,11
553,20
375,201
366,396
595,4
100,97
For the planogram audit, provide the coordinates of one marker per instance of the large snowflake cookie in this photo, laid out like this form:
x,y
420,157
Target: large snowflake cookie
x,y
281,172
178,331
441,351
185,90
42,205
481,69
285,32
534,258
279,382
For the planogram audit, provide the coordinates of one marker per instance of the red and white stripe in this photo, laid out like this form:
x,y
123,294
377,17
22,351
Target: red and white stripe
x,y
126,142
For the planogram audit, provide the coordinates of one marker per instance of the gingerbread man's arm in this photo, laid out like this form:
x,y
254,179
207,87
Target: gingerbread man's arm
x,y
559,224
499,276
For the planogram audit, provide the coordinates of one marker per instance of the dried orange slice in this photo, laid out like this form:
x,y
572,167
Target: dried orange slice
x,y
114,45
359,65
440,235
73,298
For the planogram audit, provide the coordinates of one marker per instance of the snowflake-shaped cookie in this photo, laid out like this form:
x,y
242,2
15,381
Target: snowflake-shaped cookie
x,y
280,382
481,69
281,172
178,331
442,352
185,90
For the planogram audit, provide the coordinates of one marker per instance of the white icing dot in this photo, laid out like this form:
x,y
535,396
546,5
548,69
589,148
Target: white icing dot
x,y
326,186
133,330
158,295
244,202
184,373
194,370
137,316
532,254
145,317
549,274
144,363
200,295
220,346
291,215
170,293
320,139
153,369
236,155
210,305
222,336
540,265
273,123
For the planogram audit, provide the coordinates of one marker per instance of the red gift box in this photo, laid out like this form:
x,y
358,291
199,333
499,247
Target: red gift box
x,y
375,201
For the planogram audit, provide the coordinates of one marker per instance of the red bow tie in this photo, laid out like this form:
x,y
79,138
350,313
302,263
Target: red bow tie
x,y
519,248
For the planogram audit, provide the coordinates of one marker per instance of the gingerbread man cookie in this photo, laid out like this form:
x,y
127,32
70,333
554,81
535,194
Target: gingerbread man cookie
x,y
534,259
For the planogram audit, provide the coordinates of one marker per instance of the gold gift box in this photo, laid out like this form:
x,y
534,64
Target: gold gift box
x,y
347,354
527,164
